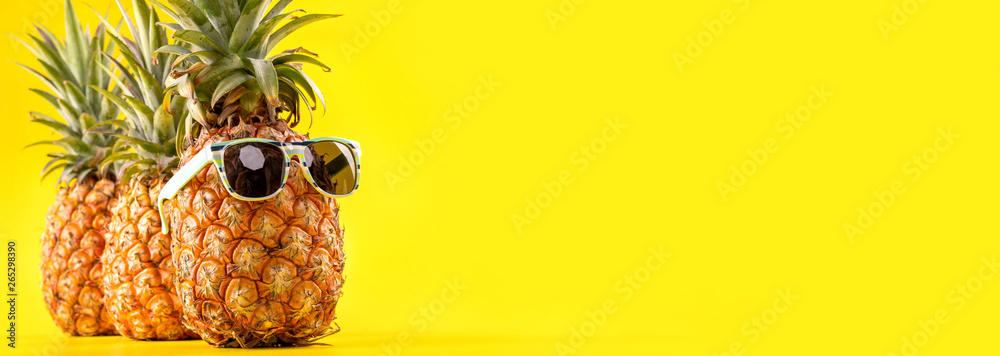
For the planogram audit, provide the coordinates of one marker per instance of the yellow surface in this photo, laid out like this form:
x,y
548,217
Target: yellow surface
x,y
914,282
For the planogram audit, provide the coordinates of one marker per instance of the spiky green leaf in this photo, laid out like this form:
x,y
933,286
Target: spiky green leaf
x,y
276,9
228,83
215,14
256,43
199,39
299,58
249,19
267,78
223,65
60,128
294,25
308,82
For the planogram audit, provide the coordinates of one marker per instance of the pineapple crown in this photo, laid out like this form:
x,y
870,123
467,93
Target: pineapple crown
x,y
222,69
71,69
148,130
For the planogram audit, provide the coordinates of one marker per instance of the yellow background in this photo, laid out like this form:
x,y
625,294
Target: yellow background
x,y
655,185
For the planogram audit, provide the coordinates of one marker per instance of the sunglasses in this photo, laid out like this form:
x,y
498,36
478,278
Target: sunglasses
x,y
256,169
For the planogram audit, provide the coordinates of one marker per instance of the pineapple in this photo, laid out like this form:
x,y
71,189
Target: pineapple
x,y
138,271
75,225
249,273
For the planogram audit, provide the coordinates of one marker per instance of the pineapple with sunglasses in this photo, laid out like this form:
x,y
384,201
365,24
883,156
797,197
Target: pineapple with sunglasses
x,y
257,243
138,271
75,225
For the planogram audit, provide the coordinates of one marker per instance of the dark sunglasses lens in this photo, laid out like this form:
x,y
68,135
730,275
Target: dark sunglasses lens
x,y
254,169
332,167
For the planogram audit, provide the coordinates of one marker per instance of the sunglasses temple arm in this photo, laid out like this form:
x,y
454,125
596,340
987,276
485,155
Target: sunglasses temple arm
x,y
180,178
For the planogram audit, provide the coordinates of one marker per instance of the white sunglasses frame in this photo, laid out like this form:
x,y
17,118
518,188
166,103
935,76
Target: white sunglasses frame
x,y
214,154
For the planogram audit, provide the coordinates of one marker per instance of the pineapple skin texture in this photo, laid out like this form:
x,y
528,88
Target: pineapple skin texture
x,y
138,271
72,244
256,273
